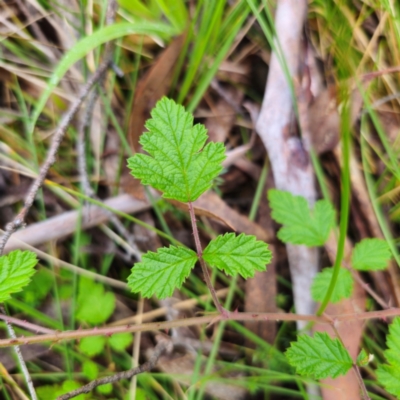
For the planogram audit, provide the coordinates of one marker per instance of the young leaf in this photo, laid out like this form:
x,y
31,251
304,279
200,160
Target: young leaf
x,y
389,374
363,358
94,305
120,341
16,270
162,272
300,225
92,346
179,164
319,357
343,288
371,255
241,254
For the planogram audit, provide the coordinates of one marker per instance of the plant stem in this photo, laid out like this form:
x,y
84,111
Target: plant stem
x,y
206,274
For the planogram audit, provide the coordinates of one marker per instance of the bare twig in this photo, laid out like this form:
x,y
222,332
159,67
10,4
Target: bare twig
x,y
81,141
165,344
25,324
21,360
37,184
51,155
212,318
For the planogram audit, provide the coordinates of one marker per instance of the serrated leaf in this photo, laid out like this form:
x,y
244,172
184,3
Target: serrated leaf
x,y
389,374
342,290
178,163
389,377
16,270
300,225
162,272
319,357
92,346
242,254
94,305
371,255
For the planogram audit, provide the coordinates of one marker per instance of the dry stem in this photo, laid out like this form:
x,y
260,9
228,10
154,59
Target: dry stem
x,y
212,318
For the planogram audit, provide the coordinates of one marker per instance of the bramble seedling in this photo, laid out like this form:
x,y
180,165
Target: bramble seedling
x,y
183,167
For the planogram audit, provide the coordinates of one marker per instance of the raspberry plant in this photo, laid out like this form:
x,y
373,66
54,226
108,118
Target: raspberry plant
x,y
183,167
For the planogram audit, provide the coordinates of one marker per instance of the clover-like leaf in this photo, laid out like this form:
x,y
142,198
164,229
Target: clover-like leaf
x,y
162,272
178,163
371,255
300,225
319,357
342,290
16,270
94,305
242,254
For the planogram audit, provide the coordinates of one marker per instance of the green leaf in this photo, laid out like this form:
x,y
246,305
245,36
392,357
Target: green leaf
x,y
92,346
389,374
389,377
162,272
364,358
104,389
319,357
120,341
179,164
371,255
16,270
94,305
300,225
242,254
343,288
39,287
90,370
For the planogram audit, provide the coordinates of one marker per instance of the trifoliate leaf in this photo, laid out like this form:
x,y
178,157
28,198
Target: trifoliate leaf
x,y
16,270
242,254
342,290
94,305
120,341
92,346
179,164
389,374
371,255
319,357
162,272
300,225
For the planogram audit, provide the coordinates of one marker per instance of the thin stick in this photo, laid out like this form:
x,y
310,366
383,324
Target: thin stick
x,y
21,360
208,319
204,268
163,345
51,155
37,184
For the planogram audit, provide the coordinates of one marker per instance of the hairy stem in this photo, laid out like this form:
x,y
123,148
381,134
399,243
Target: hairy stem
x,y
206,274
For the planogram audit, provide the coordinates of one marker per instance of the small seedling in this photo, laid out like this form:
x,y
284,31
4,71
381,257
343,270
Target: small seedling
x,y
182,166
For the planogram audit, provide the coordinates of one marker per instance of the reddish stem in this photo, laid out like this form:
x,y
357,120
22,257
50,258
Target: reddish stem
x,y
224,313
